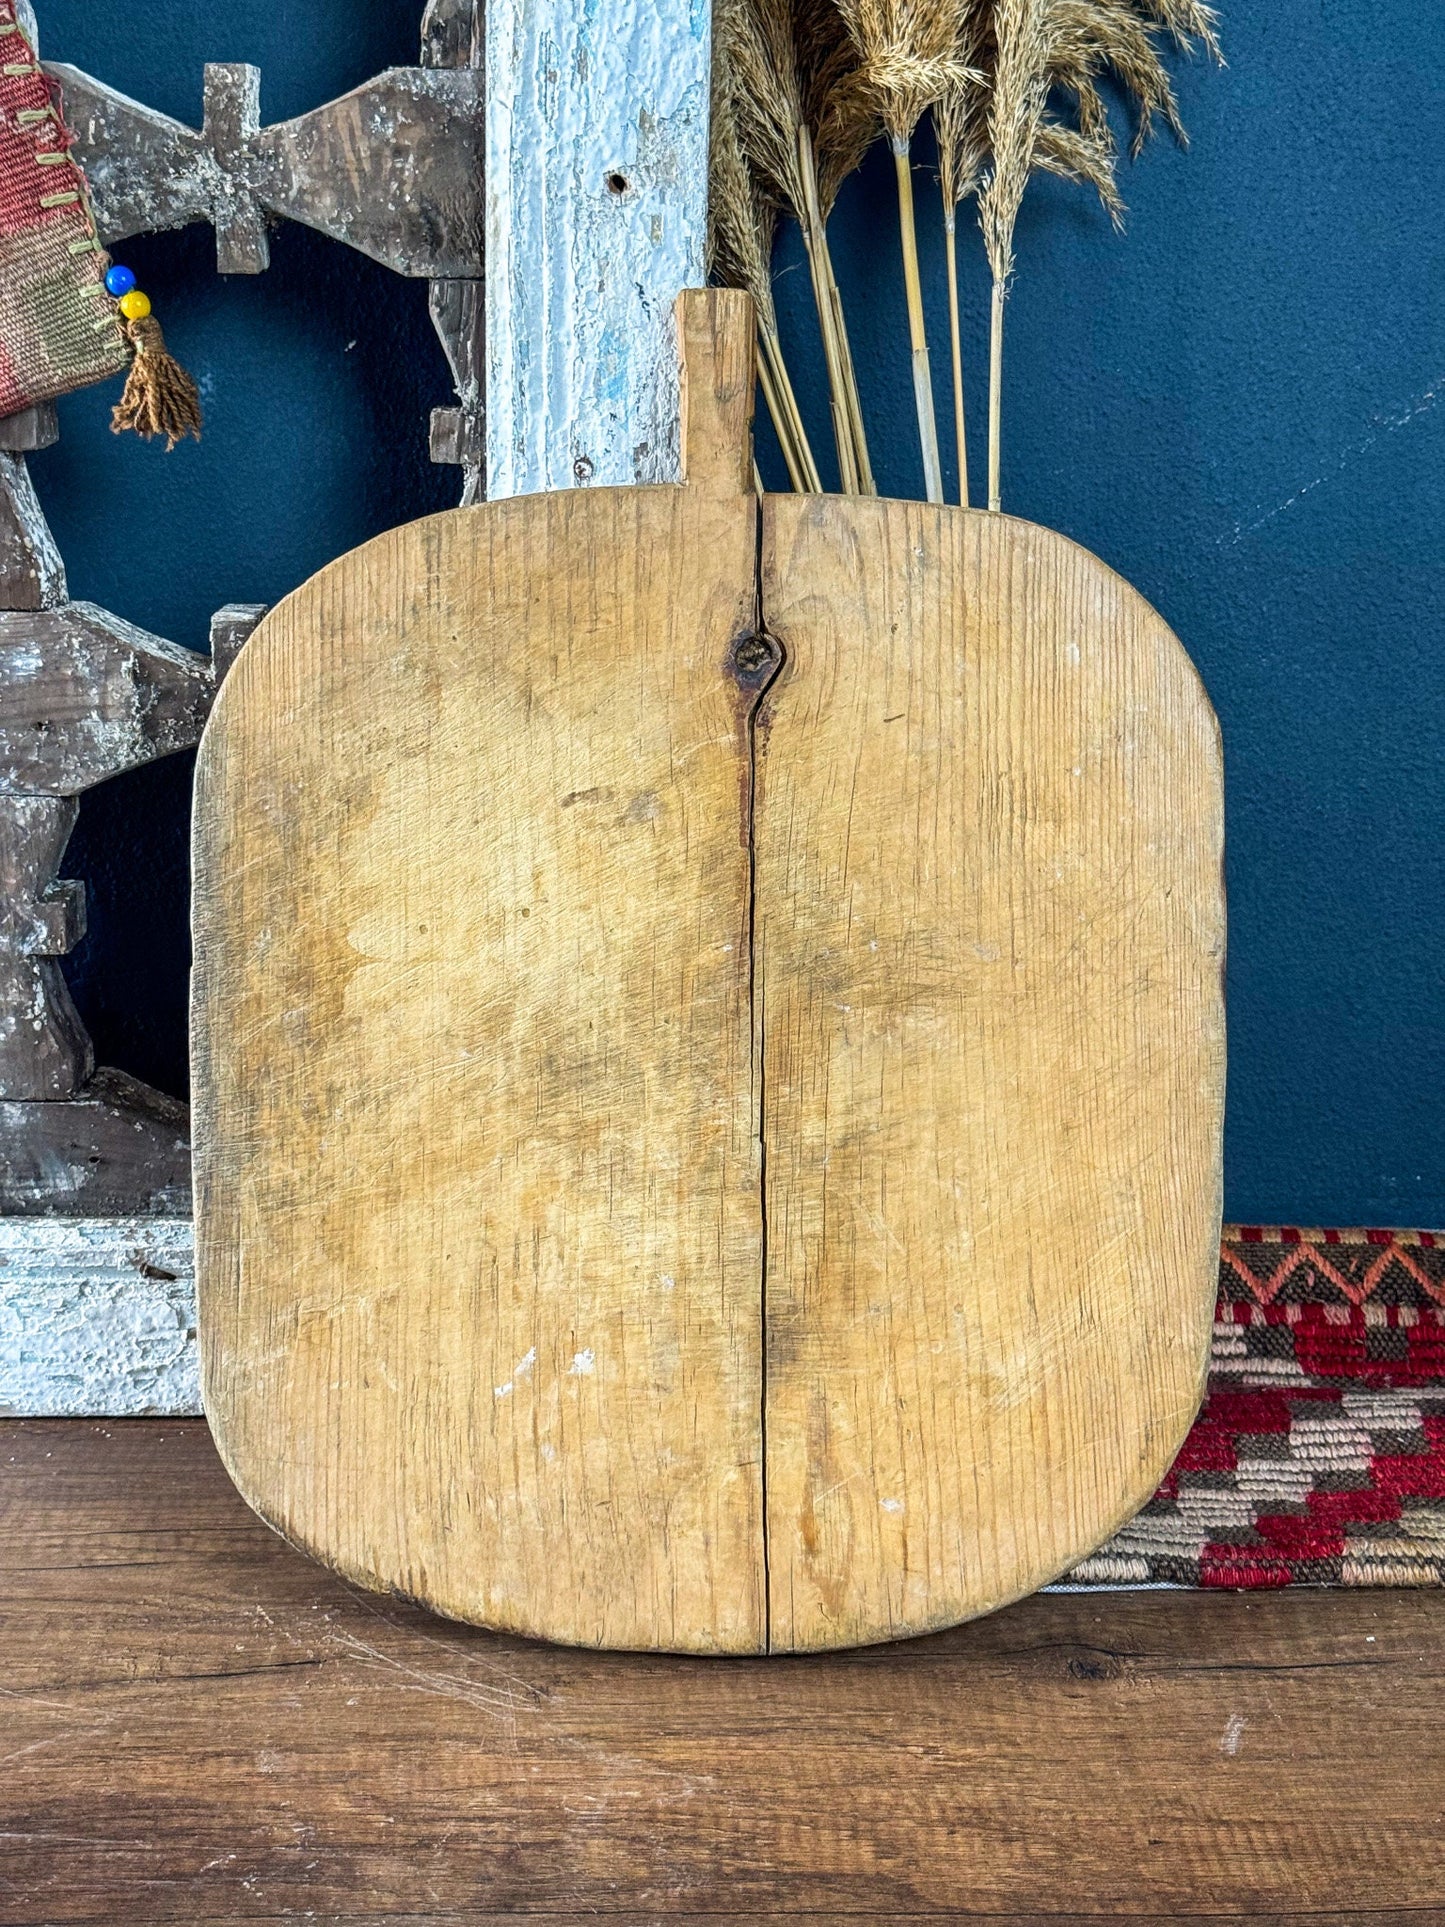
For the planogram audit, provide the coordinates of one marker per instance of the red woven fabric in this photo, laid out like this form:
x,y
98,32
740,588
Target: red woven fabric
x,y
58,328
1319,1455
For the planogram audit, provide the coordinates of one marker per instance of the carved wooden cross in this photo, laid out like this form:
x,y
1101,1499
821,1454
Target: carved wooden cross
x,y
394,169
592,144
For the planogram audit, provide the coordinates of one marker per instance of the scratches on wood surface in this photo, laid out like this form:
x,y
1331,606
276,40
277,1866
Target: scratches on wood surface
x,y
562,1098
806,1012
990,943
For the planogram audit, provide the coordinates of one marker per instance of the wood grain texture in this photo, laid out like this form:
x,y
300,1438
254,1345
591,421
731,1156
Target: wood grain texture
x,y
114,1149
30,428
88,695
231,117
394,169
556,1225
201,1727
32,575
452,36
478,1210
45,1052
230,628
990,949
452,33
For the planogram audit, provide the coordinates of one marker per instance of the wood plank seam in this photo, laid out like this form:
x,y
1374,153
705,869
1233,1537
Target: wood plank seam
x,y
773,668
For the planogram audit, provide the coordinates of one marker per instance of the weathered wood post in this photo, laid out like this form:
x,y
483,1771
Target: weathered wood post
x,y
95,1310
597,128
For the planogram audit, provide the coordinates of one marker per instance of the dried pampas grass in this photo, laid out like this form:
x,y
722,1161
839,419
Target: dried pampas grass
x,y
741,222
1015,87
1041,45
960,127
803,122
909,59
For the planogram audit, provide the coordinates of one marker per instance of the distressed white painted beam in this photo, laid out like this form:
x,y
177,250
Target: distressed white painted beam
x,y
98,1318
597,116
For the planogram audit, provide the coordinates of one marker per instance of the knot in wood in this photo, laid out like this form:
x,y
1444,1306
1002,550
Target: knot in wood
x,y
755,659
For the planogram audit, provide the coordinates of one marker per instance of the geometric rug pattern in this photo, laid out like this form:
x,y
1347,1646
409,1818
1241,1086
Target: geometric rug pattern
x,y
1319,1455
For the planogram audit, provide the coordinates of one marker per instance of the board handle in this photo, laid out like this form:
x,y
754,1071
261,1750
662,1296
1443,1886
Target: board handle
x,y
716,338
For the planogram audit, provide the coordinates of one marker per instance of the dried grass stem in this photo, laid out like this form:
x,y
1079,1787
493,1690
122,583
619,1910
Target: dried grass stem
x,y
917,330
955,345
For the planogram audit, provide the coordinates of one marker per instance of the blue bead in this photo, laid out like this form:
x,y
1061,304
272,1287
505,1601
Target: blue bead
x,y
118,281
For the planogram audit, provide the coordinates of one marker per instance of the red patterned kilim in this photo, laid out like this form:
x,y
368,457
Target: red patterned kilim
x,y
58,327
1319,1456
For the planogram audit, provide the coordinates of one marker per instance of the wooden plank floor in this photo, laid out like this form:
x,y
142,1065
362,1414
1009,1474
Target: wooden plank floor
x,y
197,1725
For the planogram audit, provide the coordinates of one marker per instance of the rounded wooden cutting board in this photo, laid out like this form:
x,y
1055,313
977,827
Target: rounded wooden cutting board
x,y
708,1056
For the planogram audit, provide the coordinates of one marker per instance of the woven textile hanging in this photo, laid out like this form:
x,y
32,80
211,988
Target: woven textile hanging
x,y
59,329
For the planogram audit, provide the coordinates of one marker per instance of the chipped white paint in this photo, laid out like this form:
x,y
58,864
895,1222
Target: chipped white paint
x,y
596,208
97,1318
520,1370
37,549
1233,1738
583,1364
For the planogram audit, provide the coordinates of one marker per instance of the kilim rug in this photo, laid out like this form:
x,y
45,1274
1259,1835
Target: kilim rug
x,y
1319,1455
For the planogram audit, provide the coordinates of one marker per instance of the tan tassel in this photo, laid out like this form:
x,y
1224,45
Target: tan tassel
x,y
160,398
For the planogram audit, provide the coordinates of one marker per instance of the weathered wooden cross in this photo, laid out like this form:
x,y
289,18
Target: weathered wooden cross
x,y
556,215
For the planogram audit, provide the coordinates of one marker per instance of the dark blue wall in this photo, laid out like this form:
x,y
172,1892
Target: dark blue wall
x,y
1235,405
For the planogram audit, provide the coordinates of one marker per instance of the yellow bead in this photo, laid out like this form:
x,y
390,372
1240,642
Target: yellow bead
x,y
135,306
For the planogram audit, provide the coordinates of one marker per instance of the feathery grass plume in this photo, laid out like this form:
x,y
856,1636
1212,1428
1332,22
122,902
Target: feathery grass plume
x,y
839,107
909,54
962,126
1187,21
1041,44
790,78
1022,61
741,220
1094,36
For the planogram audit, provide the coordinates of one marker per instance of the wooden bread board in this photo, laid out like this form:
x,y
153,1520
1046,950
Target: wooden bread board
x,y
708,1056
